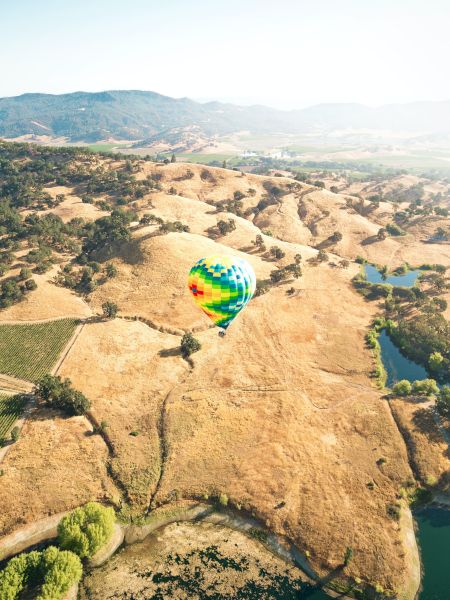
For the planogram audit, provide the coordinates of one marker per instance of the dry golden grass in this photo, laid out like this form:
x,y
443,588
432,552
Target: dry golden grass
x,y
282,410
429,451
47,301
56,465
127,392
152,278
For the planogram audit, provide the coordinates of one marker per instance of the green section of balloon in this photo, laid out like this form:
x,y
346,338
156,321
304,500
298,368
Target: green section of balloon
x,y
221,286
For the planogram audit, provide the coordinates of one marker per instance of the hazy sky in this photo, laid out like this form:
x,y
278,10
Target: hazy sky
x,y
284,53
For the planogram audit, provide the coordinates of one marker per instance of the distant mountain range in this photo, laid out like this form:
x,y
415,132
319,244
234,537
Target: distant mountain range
x,y
137,115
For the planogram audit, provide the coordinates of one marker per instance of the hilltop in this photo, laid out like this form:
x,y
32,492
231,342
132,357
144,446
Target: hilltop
x,y
283,417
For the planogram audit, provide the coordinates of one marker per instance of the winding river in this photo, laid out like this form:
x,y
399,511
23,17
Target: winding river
x,y
433,521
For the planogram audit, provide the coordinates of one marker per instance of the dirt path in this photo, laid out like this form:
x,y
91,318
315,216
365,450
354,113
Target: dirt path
x,y
13,385
68,348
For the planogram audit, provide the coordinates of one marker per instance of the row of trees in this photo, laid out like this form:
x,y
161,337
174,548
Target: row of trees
x,y
52,572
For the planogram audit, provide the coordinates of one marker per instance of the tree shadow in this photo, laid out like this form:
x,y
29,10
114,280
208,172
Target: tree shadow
x,y
167,352
369,240
424,421
322,582
327,243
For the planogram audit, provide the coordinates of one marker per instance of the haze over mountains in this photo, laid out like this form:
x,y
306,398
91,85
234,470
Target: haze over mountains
x,y
140,115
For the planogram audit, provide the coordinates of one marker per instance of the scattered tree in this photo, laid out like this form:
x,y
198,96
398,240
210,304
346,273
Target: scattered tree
x,y
225,227
58,393
110,271
15,434
86,529
109,309
402,388
189,345
277,252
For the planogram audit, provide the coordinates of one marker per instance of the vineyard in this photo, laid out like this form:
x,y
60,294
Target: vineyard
x,y
11,408
30,351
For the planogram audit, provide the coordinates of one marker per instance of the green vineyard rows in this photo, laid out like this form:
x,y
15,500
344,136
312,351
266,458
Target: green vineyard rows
x,y
30,351
11,408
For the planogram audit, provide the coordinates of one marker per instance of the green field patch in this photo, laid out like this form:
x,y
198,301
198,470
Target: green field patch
x,y
205,158
11,407
102,147
30,351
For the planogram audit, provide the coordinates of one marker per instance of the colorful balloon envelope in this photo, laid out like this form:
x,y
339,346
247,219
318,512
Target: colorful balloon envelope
x,y
222,285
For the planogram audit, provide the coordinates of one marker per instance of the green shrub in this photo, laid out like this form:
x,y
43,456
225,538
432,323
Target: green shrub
x,y
52,572
86,529
425,387
443,401
58,393
189,345
394,229
109,309
402,388
223,499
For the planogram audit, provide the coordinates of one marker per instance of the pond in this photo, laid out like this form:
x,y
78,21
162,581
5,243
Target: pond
x,y
433,522
397,366
434,540
201,560
373,275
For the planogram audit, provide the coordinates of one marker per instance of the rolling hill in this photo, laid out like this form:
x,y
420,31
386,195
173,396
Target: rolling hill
x,y
139,115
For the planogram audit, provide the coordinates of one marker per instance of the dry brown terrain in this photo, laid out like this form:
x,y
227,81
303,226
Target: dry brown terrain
x,y
281,415
48,301
57,465
430,455
226,561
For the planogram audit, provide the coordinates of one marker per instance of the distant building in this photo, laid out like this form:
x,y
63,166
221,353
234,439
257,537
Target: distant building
x,y
279,154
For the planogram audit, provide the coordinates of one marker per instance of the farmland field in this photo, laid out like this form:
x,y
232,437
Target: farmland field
x,y
30,351
10,409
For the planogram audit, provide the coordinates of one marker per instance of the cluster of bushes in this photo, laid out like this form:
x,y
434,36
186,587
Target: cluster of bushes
x,y
206,175
234,206
425,338
372,335
173,226
443,401
86,529
58,393
394,230
423,387
164,227
225,227
292,270
442,234
14,290
108,230
52,572
83,280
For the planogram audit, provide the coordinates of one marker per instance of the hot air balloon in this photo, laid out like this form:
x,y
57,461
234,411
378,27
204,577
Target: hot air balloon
x,y
222,285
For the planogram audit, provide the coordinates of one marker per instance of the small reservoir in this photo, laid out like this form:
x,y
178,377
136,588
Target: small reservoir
x,y
408,279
